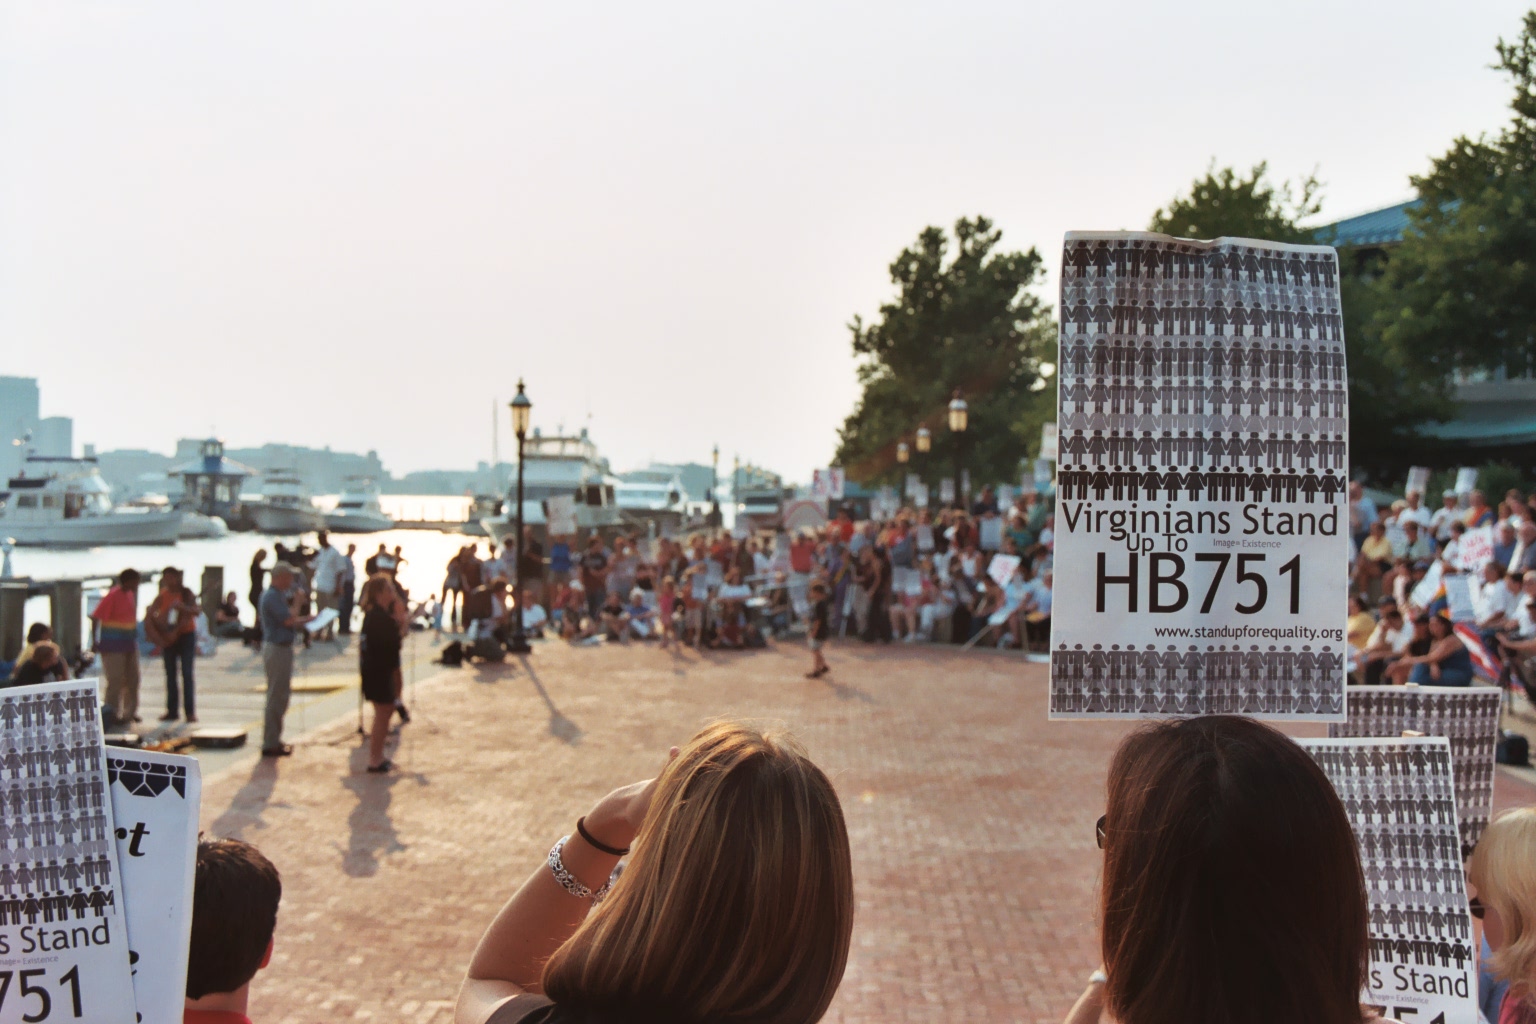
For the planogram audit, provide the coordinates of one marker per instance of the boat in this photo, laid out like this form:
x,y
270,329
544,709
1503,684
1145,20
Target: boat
x,y
284,509
196,526
64,502
559,465
646,496
358,510
481,506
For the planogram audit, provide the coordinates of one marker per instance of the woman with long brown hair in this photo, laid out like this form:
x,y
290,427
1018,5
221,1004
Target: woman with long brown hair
x,y
736,904
379,660
1232,889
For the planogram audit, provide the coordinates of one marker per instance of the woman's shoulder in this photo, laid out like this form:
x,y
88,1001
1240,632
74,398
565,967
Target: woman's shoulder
x,y
532,1009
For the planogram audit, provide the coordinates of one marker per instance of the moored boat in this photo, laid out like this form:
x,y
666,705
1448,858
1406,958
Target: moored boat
x,y
358,509
285,509
64,502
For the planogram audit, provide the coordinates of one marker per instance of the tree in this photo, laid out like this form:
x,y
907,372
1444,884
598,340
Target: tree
x,y
1461,288
1226,204
967,322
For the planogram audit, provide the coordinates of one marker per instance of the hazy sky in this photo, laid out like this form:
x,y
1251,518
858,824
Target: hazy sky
x,y
356,223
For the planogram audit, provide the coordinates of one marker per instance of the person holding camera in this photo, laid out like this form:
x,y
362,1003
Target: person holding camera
x,y
736,902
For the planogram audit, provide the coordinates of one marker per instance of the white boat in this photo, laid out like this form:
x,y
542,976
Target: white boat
x,y
196,526
560,466
64,502
285,509
358,510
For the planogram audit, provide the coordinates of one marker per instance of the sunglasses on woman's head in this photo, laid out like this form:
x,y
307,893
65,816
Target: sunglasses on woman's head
x,y
1098,830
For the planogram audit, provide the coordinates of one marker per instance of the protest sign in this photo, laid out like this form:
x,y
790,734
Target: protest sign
x,y
63,942
1467,716
1043,473
562,515
1475,549
1201,528
1004,496
327,617
989,533
1397,537
155,800
1427,589
827,483
924,534
1458,598
965,482
1466,480
947,489
1418,480
913,483
1048,441
921,499
1401,803
1002,568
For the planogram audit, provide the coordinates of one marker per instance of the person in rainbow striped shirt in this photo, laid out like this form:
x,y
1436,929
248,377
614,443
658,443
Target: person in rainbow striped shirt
x,y
117,642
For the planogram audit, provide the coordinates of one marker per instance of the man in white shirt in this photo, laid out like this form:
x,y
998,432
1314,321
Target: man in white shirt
x,y
330,569
1440,522
1388,642
1498,599
1415,512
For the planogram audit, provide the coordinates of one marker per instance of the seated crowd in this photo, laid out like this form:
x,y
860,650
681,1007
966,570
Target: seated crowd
x,y
1409,572
954,576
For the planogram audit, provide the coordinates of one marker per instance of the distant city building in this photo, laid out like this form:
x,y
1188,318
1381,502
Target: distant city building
x,y
23,428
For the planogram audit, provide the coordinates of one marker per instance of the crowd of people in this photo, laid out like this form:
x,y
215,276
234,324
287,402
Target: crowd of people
x,y
1434,604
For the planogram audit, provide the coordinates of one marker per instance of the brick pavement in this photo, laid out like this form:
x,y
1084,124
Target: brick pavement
x,y
971,820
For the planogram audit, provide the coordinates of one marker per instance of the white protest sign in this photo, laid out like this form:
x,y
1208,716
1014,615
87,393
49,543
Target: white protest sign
x,y
965,481
1002,568
1004,496
921,498
913,483
1466,480
325,618
1043,471
1476,549
562,515
63,942
989,533
1397,537
1467,715
155,801
1425,591
947,489
1400,796
1418,480
924,534
827,483
1458,598
1048,441
1201,533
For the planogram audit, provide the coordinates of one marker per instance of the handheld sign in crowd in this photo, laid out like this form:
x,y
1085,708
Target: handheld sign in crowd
x,y
1467,716
63,943
1476,549
1002,568
947,489
827,483
1418,480
1466,480
155,800
1048,441
1458,598
1201,513
989,533
562,515
1402,807
1423,594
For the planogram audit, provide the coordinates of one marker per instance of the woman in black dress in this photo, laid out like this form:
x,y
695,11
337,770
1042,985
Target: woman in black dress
x,y
379,661
258,586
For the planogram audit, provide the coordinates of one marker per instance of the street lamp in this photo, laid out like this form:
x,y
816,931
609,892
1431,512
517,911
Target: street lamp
x,y
903,453
714,488
924,440
959,419
522,411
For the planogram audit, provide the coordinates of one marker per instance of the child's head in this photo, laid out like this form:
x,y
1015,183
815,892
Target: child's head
x,y
234,913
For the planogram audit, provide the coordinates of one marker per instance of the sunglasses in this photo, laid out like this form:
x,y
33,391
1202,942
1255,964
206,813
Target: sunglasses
x,y
1475,908
1098,830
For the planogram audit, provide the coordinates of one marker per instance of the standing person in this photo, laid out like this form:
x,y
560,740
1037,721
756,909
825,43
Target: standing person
x,y
453,590
279,629
329,570
258,584
116,620
375,561
348,589
379,662
531,560
559,564
820,629
171,625
594,576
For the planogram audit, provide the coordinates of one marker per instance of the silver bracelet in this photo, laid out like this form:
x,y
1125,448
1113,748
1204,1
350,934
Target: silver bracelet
x,y
569,882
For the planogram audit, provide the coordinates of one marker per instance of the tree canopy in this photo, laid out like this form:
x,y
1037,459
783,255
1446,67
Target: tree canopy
x,y
967,321
1227,203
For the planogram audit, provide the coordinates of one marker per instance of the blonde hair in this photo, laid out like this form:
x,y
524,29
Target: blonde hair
x,y
1503,868
371,587
737,903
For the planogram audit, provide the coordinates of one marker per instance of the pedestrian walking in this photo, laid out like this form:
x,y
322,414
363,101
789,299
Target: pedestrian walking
x,y
379,662
279,628
171,625
116,621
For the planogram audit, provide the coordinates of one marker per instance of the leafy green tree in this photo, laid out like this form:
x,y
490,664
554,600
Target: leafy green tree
x,y
968,321
1227,203
1461,288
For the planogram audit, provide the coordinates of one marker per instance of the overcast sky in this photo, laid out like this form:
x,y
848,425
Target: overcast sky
x,y
356,223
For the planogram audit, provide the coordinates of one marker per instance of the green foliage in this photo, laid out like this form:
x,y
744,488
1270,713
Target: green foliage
x,y
1224,203
1463,283
967,322
1494,479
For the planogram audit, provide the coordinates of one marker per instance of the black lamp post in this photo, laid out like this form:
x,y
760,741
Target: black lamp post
x,y
959,419
522,410
714,488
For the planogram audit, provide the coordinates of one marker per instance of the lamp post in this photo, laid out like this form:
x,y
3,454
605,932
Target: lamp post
x,y
903,453
522,410
714,488
959,419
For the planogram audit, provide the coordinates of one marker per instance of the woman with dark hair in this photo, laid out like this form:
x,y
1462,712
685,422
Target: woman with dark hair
x,y
736,904
379,661
1232,889
1446,663
258,587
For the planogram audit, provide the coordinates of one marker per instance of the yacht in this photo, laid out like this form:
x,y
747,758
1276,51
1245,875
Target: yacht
x,y
357,510
560,466
64,502
285,509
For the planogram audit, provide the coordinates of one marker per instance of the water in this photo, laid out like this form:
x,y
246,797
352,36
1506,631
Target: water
x,y
426,554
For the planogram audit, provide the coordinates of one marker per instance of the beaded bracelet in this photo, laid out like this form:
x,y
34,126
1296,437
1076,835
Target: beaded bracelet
x,y
569,882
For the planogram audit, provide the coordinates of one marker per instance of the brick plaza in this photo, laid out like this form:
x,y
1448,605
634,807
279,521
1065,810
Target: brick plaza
x,y
971,820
